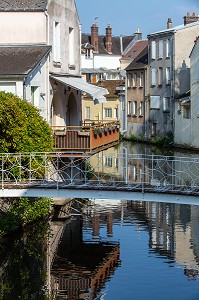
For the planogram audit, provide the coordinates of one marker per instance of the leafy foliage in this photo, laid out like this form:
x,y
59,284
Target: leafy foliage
x,y
22,129
23,263
23,211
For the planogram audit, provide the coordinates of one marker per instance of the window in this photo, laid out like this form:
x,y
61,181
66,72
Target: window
x,y
108,112
134,107
71,47
116,112
153,50
35,95
166,104
168,48
154,102
153,77
130,110
160,49
134,79
129,80
141,79
116,163
108,161
160,76
89,53
168,76
87,112
56,41
141,108
186,112
153,129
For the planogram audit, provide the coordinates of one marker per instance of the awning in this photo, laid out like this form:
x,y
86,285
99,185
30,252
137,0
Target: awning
x,y
96,92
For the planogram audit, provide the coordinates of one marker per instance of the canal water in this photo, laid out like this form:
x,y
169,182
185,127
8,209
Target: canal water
x,y
106,249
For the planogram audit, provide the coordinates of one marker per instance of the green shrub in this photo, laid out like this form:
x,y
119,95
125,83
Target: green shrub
x,y
22,129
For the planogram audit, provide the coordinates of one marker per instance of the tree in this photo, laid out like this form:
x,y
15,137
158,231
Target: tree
x,y
22,129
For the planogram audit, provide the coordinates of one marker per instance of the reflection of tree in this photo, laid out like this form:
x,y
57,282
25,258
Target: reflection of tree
x,y
22,264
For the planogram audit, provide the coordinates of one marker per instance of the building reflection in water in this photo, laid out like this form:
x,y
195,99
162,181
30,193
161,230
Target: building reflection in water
x,y
79,268
173,232
173,229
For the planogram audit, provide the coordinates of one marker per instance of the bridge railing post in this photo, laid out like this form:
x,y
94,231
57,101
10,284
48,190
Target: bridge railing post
x,y
143,174
57,172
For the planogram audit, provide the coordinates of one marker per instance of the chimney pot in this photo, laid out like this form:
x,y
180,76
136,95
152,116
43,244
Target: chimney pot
x,y
109,39
94,37
169,23
190,18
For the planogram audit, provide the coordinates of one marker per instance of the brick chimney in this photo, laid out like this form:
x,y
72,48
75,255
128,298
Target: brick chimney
x,y
109,39
94,37
169,23
190,19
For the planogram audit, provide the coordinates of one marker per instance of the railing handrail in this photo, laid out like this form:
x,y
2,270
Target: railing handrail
x,y
89,125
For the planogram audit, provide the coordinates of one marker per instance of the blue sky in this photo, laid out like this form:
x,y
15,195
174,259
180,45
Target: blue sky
x,y
128,15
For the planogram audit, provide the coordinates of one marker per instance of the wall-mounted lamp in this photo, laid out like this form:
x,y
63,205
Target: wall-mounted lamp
x,y
42,94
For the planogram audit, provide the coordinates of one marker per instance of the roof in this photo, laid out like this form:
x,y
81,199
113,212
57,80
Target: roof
x,y
140,62
110,85
23,5
173,29
21,60
99,70
136,49
118,43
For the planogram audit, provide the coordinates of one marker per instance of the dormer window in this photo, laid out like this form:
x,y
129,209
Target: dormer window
x,y
89,53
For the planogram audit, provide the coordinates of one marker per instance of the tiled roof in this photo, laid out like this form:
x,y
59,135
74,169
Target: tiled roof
x,y
23,5
116,43
20,60
110,85
140,62
135,50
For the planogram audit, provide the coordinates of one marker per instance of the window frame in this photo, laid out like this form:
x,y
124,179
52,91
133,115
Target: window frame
x,y
107,111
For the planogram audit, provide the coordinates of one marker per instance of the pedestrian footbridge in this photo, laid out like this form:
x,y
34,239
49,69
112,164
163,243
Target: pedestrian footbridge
x,y
122,176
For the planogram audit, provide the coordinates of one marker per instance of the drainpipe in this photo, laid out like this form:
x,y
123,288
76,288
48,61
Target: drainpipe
x,y
144,98
47,70
173,83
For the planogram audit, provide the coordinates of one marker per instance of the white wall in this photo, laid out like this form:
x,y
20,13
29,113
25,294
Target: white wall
x,y
109,62
195,95
184,42
23,28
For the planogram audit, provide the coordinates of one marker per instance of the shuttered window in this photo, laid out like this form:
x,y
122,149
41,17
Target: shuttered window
x,y
154,102
153,77
160,49
153,50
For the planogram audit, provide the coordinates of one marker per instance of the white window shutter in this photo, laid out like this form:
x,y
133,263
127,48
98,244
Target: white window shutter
x,y
153,76
160,54
154,102
153,50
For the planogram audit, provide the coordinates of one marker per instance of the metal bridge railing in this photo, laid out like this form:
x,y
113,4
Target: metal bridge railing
x,y
129,171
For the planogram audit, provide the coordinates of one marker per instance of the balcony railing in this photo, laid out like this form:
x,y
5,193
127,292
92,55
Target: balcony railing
x,y
87,138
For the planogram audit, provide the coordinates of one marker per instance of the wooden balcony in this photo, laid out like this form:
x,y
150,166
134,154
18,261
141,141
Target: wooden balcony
x,y
90,138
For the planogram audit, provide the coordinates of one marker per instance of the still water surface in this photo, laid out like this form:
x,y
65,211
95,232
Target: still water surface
x,y
107,249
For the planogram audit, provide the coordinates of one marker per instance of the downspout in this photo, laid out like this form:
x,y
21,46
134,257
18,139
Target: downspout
x,y
173,83
80,68
144,95
24,88
125,130
47,70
